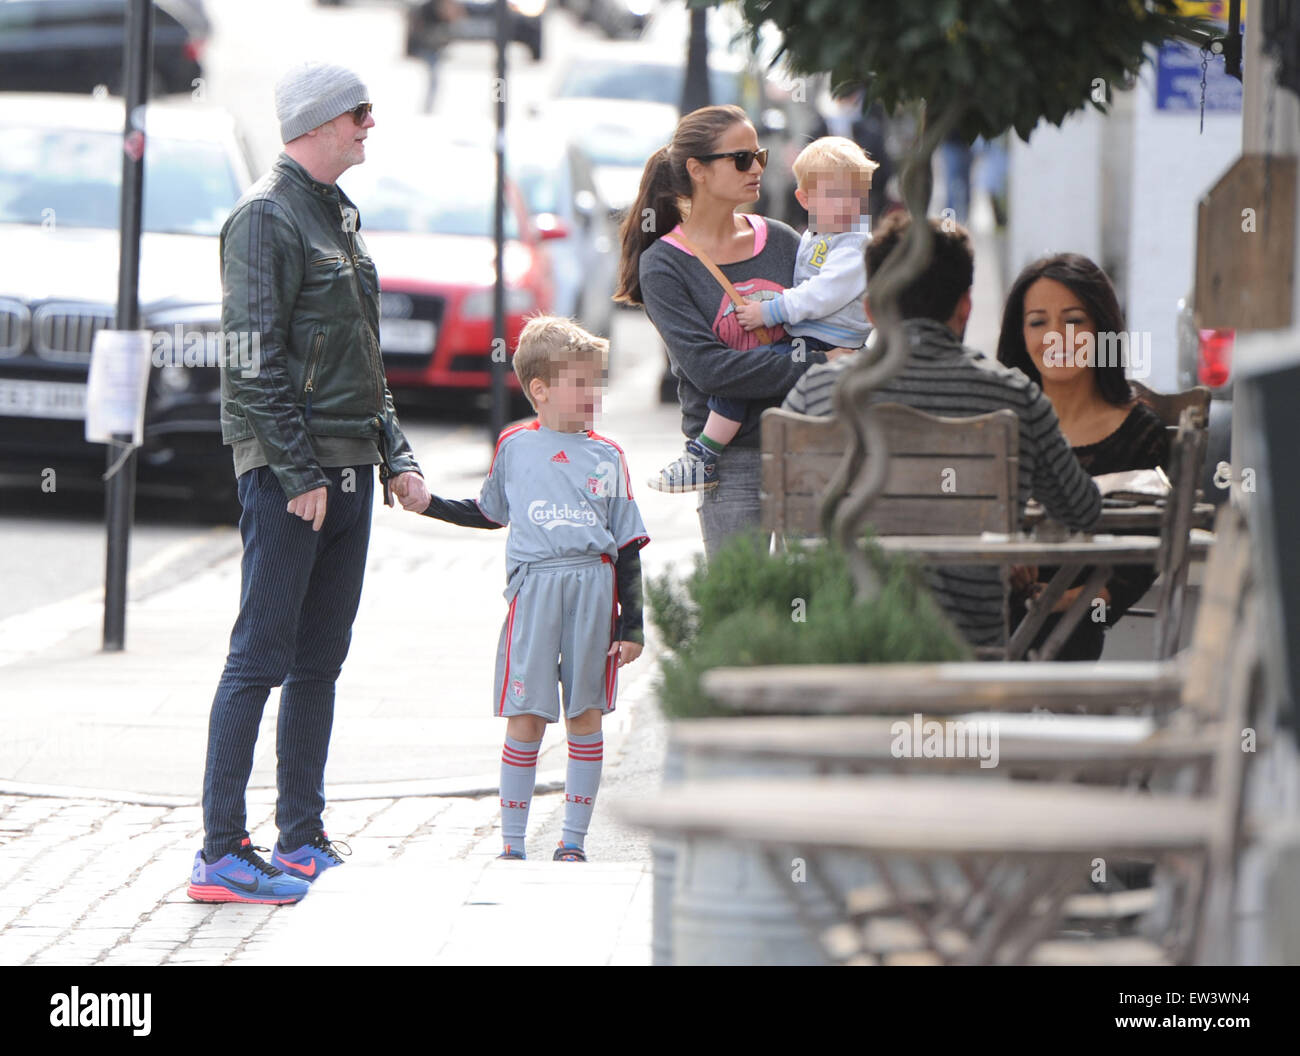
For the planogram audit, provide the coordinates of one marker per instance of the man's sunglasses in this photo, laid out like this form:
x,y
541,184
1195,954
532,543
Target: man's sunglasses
x,y
744,159
360,112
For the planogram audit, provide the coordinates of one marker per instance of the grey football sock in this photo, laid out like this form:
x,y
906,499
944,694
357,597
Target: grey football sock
x,y
518,776
586,756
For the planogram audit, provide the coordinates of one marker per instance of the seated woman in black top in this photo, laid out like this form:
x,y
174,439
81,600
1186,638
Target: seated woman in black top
x,y
1061,326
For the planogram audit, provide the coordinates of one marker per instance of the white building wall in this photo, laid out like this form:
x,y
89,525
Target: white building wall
x,y
1055,191
1173,166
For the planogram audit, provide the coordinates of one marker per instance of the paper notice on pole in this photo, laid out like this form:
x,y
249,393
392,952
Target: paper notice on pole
x,y
118,384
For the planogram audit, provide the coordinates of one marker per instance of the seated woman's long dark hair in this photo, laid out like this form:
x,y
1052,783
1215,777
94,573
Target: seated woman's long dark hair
x,y
1092,286
664,184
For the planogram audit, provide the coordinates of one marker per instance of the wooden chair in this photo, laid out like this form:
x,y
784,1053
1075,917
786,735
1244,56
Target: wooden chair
x,y
1169,406
1022,848
1188,455
947,476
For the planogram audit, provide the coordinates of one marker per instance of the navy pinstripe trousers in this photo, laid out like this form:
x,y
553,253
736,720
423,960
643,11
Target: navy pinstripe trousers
x,y
299,595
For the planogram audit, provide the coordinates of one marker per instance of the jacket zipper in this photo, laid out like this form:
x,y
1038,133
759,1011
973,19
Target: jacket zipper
x,y
376,366
309,388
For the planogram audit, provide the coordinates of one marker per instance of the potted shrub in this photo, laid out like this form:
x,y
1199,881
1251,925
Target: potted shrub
x,y
714,901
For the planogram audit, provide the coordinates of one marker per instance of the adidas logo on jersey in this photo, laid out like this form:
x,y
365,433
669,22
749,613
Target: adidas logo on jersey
x,y
561,457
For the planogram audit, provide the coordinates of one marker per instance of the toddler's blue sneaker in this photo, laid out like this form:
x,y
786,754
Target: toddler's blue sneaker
x,y
311,859
243,876
695,470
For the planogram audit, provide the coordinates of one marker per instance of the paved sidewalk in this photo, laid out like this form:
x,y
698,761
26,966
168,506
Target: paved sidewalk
x,y
98,882
95,852
102,761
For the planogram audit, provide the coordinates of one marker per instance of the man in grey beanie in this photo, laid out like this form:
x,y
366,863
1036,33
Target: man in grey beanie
x,y
306,431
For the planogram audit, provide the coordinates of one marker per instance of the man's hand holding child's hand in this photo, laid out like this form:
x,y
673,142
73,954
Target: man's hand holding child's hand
x,y
410,491
625,651
750,315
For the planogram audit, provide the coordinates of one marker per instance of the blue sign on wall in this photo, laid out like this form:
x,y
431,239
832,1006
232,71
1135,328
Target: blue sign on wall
x,y
1178,82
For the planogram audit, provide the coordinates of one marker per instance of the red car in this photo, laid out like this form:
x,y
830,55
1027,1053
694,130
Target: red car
x,y
427,219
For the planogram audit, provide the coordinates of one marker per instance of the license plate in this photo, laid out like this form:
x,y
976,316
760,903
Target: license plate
x,y
42,399
473,28
407,335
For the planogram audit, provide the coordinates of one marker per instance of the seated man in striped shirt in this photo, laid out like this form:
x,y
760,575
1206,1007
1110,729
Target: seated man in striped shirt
x,y
944,377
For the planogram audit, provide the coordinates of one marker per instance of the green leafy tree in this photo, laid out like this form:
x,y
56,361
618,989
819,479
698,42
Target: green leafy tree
x,y
998,64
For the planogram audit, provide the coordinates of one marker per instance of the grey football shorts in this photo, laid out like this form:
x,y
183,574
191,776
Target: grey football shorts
x,y
557,633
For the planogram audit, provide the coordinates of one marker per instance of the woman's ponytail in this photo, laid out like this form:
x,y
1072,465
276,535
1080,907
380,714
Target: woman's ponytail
x,y
654,212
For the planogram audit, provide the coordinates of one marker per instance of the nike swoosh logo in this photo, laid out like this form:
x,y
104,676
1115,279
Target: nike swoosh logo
x,y
306,870
247,886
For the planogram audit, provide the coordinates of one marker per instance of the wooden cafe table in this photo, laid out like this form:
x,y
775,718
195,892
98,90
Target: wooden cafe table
x,y
1101,553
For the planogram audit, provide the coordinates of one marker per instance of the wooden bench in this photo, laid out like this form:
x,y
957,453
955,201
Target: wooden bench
x,y
946,688
1036,745
959,688
1111,750
1024,848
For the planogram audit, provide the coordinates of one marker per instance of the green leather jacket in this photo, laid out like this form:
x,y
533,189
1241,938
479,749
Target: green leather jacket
x,y
296,279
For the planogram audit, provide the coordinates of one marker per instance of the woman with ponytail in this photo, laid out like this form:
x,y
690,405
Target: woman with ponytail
x,y
686,211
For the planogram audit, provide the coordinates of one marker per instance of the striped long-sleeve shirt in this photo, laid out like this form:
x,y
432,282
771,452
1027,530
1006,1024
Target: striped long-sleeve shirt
x,y
943,377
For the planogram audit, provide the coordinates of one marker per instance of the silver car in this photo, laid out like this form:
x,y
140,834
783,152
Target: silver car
x,y
556,179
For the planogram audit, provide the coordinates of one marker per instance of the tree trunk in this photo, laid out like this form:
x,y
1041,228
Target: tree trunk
x,y
866,462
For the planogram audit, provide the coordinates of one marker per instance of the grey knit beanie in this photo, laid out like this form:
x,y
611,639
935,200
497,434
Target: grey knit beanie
x,y
313,93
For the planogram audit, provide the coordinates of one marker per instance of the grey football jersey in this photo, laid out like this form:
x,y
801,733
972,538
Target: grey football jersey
x,y
563,494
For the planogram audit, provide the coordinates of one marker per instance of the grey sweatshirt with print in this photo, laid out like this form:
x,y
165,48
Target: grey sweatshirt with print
x,y
710,353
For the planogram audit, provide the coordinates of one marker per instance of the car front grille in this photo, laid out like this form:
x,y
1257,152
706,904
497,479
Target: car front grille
x,y
64,333
15,327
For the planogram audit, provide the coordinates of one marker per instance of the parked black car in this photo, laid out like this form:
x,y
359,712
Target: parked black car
x,y
76,45
60,175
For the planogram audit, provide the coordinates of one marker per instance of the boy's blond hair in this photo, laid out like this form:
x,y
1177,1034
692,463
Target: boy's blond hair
x,y
833,155
548,342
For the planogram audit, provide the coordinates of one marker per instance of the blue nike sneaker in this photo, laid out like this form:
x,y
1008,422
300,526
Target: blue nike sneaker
x,y
311,859
243,876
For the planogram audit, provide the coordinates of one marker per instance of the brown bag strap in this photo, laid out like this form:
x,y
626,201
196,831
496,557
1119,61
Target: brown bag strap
x,y
723,281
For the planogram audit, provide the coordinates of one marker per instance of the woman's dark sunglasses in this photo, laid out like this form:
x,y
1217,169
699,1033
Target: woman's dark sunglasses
x,y
744,159
360,112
